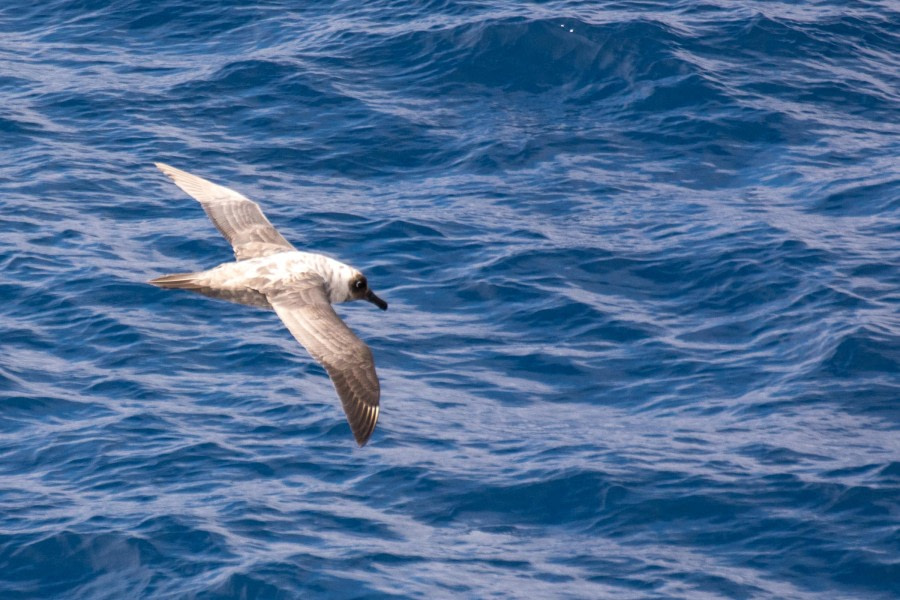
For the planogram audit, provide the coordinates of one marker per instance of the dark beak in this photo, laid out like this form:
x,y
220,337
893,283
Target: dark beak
x,y
371,297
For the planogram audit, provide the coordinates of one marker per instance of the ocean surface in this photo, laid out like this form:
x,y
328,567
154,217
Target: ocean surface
x,y
643,267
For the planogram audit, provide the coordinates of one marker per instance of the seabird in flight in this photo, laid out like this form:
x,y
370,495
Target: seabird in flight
x,y
299,286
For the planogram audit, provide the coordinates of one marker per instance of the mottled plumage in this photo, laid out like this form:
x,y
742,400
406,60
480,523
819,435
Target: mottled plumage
x,y
299,286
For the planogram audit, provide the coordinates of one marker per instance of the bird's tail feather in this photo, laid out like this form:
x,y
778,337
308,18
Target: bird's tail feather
x,y
178,281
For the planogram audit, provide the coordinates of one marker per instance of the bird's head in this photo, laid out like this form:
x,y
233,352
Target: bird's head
x,y
359,290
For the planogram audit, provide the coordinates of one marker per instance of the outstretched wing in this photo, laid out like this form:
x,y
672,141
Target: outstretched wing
x,y
238,218
305,309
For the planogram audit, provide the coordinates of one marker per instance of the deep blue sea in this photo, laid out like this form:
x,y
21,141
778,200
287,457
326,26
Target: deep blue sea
x,y
643,266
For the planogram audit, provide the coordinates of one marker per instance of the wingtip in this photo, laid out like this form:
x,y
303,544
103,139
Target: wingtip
x,y
365,434
362,438
167,169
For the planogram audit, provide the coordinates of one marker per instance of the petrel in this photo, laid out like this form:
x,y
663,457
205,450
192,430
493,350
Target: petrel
x,y
299,286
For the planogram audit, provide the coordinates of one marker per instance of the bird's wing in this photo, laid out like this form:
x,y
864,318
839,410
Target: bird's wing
x,y
305,309
238,218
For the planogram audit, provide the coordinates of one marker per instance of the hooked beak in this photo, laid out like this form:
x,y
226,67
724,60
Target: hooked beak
x,y
371,297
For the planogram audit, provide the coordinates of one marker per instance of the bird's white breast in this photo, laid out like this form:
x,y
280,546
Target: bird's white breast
x,y
277,271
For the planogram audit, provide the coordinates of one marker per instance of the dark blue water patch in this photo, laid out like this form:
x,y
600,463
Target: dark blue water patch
x,y
249,79
67,108
876,399
767,37
510,54
560,499
773,455
19,409
889,473
75,555
19,133
167,22
864,350
854,93
862,198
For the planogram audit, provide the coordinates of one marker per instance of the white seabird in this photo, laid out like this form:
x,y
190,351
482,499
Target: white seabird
x,y
299,286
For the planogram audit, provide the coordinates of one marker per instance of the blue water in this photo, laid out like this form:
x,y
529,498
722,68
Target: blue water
x,y
643,266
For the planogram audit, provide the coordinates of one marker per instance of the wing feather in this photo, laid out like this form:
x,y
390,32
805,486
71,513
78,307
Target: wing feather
x,y
305,310
238,218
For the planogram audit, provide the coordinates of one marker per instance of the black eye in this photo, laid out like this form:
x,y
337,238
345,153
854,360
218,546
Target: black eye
x,y
360,284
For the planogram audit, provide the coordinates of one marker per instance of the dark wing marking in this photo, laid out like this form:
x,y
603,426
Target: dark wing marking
x,y
305,309
239,219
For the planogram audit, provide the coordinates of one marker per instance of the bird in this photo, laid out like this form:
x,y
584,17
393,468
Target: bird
x,y
299,286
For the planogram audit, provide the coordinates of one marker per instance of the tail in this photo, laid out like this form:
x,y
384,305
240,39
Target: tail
x,y
177,281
